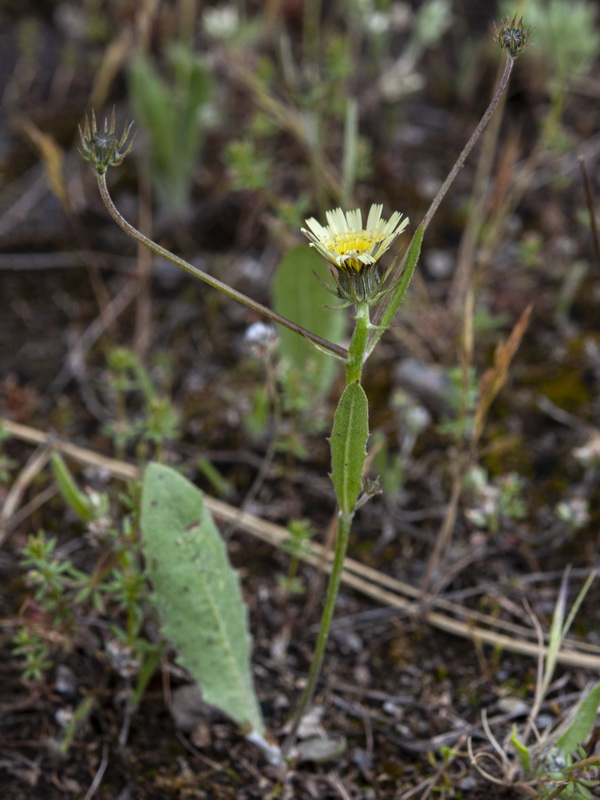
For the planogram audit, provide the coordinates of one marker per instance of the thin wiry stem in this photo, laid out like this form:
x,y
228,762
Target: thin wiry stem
x,y
321,343
454,172
470,144
590,204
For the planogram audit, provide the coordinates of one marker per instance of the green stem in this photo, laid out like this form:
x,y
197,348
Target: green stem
x,y
335,349
354,364
358,344
333,587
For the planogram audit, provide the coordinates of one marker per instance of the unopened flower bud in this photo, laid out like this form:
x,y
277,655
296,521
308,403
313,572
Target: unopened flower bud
x,y
102,148
512,36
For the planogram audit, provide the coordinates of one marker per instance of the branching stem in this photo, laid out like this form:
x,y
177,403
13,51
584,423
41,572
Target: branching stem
x,y
324,344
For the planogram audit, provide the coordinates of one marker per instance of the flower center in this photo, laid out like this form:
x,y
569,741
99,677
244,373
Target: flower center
x,y
353,242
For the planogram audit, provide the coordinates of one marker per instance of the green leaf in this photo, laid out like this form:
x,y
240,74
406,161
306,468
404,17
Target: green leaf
x,y
170,109
198,594
349,446
152,105
298,295
522,751
401,287
71,493
585,716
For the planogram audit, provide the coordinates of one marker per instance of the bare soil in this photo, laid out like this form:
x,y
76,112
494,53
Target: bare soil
x,y
395,686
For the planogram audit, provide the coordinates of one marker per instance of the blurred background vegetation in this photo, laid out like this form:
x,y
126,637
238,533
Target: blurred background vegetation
x,y
250,117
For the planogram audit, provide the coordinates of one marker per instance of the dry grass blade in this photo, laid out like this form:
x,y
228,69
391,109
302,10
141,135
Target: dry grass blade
x,y
494,378
379,587
589,201
52,157
30,471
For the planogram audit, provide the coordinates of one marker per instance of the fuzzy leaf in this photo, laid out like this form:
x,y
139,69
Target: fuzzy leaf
x,y
349,446
581,726
198,594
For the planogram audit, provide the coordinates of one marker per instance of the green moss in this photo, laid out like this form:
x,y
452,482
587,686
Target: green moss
x,y
506,452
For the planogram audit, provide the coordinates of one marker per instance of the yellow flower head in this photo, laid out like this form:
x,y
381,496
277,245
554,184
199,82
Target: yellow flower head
x,y
347,245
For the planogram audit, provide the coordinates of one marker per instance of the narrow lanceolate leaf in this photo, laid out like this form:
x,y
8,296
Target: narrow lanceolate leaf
x,y
197,593
399,292
349,446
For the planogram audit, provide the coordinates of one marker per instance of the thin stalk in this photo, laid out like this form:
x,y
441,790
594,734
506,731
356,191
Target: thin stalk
x,y
470,144
455,169
470,238
590,205
324,344
354,364
333,587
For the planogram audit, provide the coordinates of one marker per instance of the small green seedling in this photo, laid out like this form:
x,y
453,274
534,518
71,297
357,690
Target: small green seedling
x,y
556,763
89,506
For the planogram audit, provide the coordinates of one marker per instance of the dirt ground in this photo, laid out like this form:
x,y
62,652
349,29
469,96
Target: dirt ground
x,y
409,681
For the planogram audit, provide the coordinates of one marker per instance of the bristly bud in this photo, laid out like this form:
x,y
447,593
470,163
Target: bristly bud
x,y
102,148
512,36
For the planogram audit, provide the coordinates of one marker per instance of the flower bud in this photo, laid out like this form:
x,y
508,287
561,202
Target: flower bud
x,y
512,36
102,148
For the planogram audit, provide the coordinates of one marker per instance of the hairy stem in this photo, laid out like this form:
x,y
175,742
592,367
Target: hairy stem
x,y
454,171
470,144
324,344
354,364
333,587
358,344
